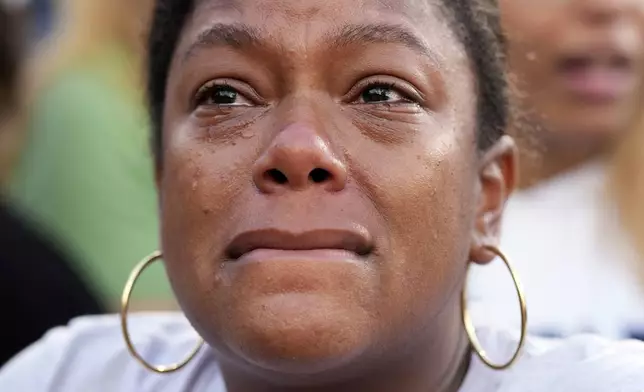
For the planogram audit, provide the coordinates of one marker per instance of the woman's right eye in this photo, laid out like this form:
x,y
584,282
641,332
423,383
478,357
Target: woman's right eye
x,y
221,95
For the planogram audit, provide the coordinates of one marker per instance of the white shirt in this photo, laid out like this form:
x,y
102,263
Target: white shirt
x,y
90,355
576,263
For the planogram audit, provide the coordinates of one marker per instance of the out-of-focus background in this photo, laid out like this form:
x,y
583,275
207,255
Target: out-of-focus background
x,y
78,207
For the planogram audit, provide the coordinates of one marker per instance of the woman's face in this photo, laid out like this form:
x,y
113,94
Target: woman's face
x,y
321,189
578,63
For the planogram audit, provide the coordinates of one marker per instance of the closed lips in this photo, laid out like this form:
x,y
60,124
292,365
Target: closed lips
x,y
358,241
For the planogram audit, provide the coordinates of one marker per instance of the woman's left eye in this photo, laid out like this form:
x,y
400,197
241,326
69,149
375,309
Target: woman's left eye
x,y
382,93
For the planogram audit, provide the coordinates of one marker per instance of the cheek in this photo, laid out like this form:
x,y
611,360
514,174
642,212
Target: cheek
x,y
428,199
198,188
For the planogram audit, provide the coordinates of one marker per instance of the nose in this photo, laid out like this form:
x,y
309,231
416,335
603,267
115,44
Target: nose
x,y
603,11
299,158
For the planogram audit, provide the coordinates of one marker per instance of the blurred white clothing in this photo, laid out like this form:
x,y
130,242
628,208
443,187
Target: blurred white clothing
x,y
576,263
90,355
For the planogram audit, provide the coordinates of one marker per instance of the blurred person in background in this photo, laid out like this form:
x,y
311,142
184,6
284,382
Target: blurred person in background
x,y
39,288
86,172
576,230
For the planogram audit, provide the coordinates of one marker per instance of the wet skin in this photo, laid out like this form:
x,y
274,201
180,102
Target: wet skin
x,y
322,192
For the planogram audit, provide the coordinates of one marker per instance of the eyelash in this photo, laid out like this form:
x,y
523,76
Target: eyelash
x,y
409,94
207,89
354,94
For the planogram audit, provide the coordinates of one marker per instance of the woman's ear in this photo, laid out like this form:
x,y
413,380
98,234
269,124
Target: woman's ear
x,y
497,179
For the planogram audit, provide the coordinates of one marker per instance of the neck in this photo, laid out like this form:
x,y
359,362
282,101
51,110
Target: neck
x,y
434,366
552,158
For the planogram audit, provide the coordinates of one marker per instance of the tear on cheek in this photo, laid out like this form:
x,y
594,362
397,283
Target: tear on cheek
x,y
215,126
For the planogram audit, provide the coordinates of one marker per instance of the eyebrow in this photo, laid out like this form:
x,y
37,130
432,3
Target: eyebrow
x,y
239,36
234,35
379,33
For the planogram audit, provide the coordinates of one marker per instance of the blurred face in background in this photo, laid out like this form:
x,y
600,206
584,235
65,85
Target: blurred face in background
x,y
124,20
140,17
577,65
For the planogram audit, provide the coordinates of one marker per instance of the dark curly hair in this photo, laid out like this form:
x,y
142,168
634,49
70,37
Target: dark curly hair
x,y
475,23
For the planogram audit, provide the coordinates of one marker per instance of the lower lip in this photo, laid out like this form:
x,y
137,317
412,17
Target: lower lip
x,y
310,255
598,85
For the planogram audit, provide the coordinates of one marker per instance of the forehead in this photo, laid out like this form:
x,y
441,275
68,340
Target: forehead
x,y
300,22
299,9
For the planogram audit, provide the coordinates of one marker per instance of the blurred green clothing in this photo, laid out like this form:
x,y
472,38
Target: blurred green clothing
x,y
86,175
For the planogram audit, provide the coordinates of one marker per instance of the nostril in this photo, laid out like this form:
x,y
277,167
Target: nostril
x,y
276,176
319,175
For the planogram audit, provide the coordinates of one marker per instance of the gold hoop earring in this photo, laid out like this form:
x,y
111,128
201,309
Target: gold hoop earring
x,y
125,304
469,325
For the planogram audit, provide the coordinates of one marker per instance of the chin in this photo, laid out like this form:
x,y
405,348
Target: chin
x,y
298,333
291,320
